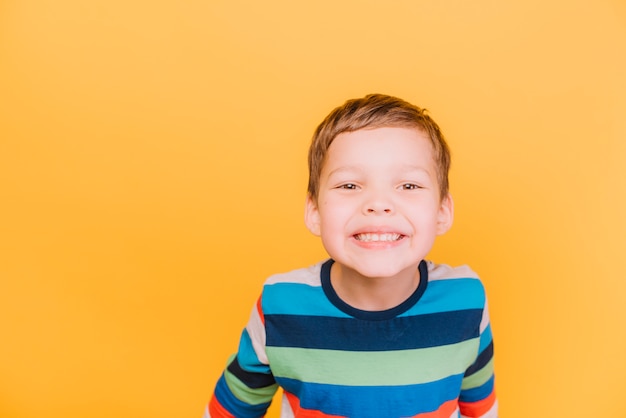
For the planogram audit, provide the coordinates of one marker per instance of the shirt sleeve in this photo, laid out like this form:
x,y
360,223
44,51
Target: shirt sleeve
x,y
478,396
246,388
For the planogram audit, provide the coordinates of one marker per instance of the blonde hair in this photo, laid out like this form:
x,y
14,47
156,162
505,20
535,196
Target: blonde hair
x,y
376,111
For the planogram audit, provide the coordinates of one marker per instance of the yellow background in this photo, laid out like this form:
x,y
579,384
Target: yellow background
x,y
152,174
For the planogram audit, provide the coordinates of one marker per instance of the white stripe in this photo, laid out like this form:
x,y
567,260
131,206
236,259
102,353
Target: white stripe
x,y
309,275
444,271
285,408
256,330
485,321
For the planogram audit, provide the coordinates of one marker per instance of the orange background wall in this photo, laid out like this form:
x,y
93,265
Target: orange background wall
x,y
152,174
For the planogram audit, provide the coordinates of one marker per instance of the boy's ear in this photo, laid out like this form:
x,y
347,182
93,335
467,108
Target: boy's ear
x,y
445,215
312,216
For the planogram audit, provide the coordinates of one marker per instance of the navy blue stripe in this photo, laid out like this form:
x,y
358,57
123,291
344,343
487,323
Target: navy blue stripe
x,y
350,334
334,298
252,380
374,401
483,358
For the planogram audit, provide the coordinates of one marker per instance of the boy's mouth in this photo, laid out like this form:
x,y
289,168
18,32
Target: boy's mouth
x,y
374,237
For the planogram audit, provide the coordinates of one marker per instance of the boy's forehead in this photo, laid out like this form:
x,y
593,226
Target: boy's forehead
x,y
384,134
409,146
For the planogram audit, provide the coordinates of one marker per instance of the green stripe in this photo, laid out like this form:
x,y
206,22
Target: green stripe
x,y
372,368
247,395
479,378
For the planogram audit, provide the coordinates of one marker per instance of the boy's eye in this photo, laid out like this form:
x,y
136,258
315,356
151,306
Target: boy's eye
x,y
348,186
410,186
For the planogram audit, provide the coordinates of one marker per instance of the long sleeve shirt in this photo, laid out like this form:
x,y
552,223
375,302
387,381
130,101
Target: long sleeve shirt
x,y
431,356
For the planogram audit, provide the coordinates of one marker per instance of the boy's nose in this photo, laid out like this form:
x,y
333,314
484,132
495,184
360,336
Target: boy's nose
x,y
378,205
373,210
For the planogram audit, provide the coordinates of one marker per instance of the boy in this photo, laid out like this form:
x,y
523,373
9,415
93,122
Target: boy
x,y
375,331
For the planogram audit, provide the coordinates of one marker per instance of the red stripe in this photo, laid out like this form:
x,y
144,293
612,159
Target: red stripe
x,y
216,410
260,310
300,412
477,409
444,411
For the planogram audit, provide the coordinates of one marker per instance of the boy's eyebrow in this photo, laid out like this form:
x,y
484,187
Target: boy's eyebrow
x,y
411,167
348,168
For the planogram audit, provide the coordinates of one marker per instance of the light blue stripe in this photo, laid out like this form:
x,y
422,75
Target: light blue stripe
x,y
246,356
450,295
440,295
298,299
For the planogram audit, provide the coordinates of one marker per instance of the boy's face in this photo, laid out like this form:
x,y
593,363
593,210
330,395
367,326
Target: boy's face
x,y
378,210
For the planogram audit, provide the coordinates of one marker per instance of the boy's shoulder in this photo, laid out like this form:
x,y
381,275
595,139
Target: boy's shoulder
x,y
455,286
307,275
311,275
445,271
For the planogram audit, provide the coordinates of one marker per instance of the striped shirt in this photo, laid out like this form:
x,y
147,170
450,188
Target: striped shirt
x,y
431,356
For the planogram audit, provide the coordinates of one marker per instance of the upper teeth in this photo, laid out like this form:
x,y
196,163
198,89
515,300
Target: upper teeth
x,y
377,237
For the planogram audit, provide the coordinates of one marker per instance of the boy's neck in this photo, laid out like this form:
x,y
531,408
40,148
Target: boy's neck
x,y
373,293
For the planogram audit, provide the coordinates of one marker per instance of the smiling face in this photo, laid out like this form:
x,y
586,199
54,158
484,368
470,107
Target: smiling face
x,y
379,210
